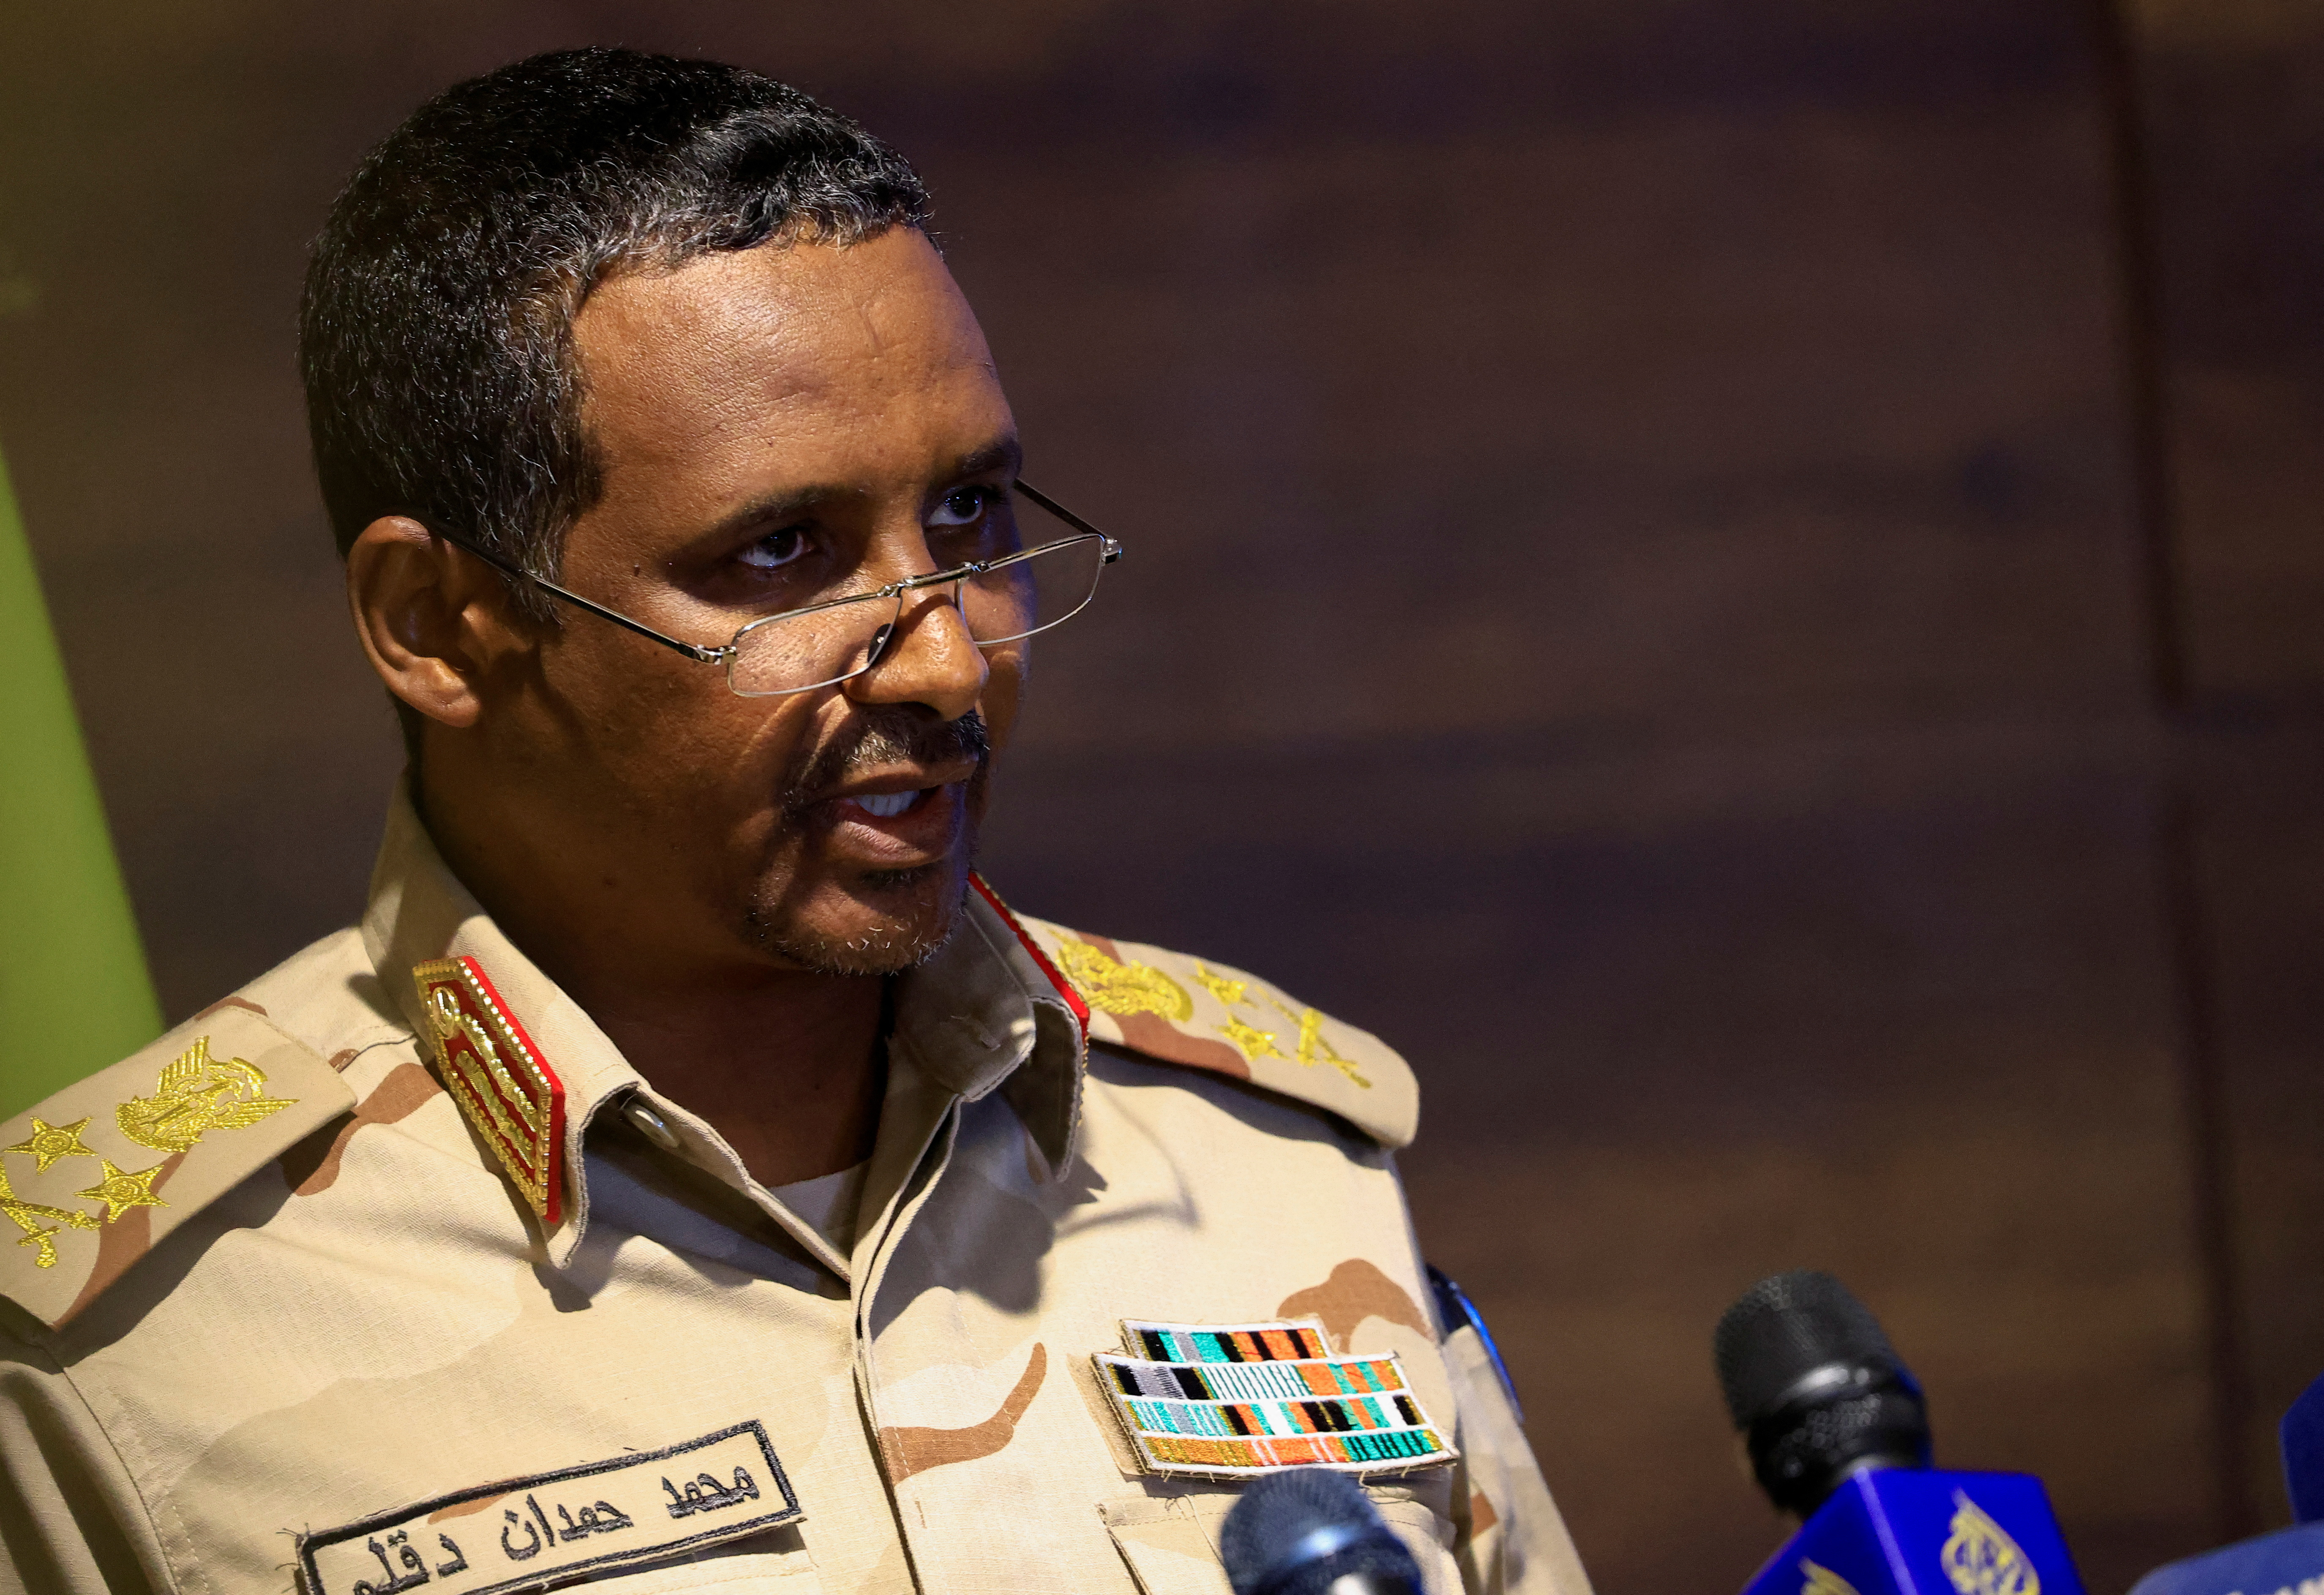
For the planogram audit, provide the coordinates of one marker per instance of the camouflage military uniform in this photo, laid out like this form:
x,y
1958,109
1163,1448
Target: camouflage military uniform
x,y
286,1310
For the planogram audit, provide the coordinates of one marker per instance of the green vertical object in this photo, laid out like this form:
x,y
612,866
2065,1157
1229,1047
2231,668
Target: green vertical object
x,y
74,993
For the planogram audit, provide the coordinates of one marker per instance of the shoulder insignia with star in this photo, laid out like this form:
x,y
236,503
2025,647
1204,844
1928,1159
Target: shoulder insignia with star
x,y
198,1111
1200,1014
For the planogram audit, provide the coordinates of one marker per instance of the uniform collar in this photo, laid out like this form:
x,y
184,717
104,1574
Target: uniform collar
x,y
985,1014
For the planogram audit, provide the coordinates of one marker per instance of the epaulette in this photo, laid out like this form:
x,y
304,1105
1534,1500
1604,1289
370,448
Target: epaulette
x,y
1202,1015
95,1176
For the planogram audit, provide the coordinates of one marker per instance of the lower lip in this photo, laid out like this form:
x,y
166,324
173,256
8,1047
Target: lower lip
x,y
921,835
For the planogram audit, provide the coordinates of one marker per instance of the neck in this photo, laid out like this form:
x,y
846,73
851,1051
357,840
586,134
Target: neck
x,y
785,1064
790,1074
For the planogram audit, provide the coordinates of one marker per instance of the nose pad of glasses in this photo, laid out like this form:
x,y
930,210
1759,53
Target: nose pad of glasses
x,y
877,645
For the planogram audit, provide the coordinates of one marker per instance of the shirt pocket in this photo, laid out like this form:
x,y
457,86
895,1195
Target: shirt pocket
x,y
1171,1542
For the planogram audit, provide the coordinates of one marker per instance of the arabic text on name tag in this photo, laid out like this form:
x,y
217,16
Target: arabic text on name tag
x,y
625,1510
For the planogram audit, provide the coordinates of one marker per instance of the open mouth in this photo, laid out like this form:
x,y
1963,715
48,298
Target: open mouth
x,y
887,805
895,830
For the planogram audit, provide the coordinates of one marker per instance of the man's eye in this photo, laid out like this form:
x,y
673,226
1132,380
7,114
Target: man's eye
x,y
776,550
962,506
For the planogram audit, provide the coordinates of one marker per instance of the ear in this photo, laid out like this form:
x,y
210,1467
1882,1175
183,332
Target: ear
x,y
430,616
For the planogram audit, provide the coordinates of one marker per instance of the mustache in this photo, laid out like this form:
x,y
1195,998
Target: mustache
x,y
891,733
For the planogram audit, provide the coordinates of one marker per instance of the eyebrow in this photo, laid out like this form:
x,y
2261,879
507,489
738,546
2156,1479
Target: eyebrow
x,y
1006,451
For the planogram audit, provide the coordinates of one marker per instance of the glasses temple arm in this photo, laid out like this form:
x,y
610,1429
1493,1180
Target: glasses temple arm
x,y
1056,509
708,656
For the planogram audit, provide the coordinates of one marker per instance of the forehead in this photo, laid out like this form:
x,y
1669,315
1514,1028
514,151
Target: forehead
x,y
794,346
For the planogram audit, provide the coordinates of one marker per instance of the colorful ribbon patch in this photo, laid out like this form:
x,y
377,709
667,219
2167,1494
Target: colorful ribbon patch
x,y
1227,1400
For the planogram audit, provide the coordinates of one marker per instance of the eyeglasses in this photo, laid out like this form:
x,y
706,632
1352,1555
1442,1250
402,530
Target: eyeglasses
x,y
1001,600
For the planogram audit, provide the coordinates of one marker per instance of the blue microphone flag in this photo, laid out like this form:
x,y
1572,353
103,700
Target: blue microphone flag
x,y
1920,1531
2304,1454
2282,1563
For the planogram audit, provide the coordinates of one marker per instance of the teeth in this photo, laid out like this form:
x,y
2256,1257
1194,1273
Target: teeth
x,y
887,805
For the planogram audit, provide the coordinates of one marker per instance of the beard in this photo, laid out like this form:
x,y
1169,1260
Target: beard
x,y
909,914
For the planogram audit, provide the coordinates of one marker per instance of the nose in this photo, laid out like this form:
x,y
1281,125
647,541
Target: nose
x,y
929,659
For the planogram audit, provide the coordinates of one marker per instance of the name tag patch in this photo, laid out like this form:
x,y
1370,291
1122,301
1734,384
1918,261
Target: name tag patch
x,y
523,1533
1215,1401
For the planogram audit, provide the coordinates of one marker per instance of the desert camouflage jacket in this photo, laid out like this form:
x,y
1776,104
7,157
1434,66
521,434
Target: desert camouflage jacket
x,y
387,1273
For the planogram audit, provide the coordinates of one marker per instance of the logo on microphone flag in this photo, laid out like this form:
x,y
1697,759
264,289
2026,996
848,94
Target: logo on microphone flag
x,y
1234,1400
1929,1531
1981,1559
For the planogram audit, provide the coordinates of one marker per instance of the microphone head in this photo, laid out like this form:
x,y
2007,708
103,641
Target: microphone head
x,y
1300,1531
1816,1388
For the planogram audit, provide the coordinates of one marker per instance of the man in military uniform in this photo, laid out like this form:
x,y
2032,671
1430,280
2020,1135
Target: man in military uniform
x,y
689,1176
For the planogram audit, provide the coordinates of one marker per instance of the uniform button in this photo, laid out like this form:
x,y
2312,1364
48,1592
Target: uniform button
x,y
651,1123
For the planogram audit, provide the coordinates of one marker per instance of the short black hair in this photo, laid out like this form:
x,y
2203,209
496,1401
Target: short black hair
x,y
435,335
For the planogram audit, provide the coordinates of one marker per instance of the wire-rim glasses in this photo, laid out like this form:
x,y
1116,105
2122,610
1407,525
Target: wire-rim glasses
x,y
1011,597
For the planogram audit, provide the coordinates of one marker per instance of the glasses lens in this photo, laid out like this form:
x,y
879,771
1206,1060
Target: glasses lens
x,y
1033,592
793,652
1030,592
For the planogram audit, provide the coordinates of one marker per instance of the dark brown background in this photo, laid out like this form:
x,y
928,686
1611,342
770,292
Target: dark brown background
x,y
1738,577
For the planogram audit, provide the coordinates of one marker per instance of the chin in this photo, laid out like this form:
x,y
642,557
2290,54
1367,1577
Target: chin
x,y
884,924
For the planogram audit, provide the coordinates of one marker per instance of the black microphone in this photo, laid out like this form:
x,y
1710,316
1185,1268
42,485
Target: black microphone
x,y
1313,1531
1837,1433
1816,1388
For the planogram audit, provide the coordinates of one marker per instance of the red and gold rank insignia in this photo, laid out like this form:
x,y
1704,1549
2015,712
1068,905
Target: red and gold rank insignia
x,y
498,1077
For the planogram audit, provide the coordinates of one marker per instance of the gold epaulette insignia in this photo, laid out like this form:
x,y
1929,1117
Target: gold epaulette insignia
x,y
121,1190
197,1113
1122,987
1203,1016
27,1216
197,1095
48,1142
499,1078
